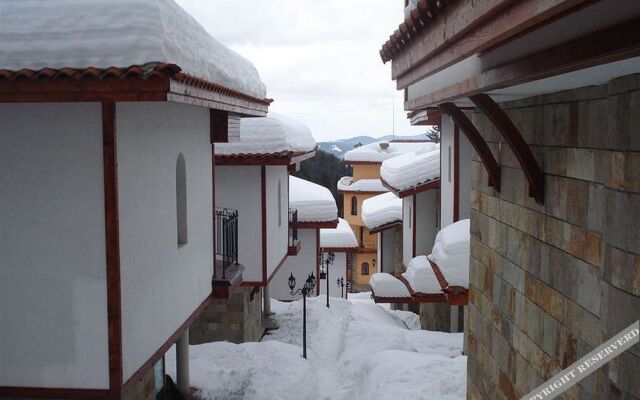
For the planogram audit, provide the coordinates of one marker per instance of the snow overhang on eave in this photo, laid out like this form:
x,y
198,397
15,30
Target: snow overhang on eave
x,y
148,82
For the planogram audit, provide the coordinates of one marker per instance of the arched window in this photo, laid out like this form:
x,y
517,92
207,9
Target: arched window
x,y
279,202
354,205
181,200
364,268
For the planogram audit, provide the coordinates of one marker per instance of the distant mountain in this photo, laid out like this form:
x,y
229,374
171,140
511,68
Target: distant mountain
x,y
341,146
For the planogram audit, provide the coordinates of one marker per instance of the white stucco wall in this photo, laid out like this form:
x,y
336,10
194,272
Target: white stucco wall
x,y
53,296
162,284
407,226
466,151
277,230
388,244
238,187
426,221
300,265
336,271
447,169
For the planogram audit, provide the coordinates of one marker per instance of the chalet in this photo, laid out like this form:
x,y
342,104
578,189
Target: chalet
x,y
382,215
365,182
252,181
414,177
106,147
430,265
314,208
341,243
546,94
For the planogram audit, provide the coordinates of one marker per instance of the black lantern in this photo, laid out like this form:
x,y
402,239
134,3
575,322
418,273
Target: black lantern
x,y
340,283
306,290
326,259
292,282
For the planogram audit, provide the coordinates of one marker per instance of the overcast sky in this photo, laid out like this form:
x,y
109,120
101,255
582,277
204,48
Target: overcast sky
x,y
318,58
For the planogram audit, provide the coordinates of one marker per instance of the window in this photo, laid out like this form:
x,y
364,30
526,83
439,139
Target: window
x,y
364,268
279,202
354,205
181,200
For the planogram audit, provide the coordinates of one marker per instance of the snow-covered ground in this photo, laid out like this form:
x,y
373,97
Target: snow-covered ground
x,y
355,349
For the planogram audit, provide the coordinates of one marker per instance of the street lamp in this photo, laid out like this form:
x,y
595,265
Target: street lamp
x,y
306,290
324,265
340,283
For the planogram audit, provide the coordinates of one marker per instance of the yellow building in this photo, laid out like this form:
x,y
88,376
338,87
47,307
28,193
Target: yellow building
x,y
365,183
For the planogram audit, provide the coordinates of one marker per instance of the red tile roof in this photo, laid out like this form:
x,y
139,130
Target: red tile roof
x,y
416,21
146,71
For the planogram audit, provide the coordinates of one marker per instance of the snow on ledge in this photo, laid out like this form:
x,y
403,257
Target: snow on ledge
x,y
420,276
381,210
314,203
346,184
340,237
451,253
386,285
412,169
379,151
118,33
273,134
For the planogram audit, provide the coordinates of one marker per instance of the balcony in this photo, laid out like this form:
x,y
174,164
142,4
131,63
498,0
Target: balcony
x,y
227,273
294,242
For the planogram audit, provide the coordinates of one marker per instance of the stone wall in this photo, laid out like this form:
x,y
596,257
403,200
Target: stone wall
x,y
551,282
237,320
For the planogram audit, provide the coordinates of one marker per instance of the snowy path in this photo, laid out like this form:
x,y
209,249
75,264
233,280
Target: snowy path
x,y
355,350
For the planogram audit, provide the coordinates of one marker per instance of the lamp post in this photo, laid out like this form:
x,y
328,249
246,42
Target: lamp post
x,y
340,283
324,263
306,290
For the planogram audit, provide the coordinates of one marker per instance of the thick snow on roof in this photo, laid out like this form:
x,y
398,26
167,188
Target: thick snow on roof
x,y
373,152
118,33
341,236
381,210
272,134
347,184
386,285
314,203
411,169
451,253
420,276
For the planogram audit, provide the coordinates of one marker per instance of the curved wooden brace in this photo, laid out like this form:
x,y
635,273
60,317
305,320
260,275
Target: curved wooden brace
x,y
478,143
527,160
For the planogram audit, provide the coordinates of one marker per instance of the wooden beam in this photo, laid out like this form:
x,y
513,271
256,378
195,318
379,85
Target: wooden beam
x,y
384,227
16,392
606,46
446,28
481,26
429,185
477,141
456,173
112,245
219,126
523,153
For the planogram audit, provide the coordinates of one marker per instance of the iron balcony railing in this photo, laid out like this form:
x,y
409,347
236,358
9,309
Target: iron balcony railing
x,y
293,227
226,226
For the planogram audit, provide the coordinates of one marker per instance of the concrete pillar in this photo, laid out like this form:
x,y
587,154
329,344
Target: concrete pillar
x,y
267,300
182,363
454,318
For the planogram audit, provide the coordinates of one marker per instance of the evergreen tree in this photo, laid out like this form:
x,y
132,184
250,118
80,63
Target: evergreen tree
x,y
325,169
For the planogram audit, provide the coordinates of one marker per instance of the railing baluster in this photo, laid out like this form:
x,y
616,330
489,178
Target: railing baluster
x,y
226,228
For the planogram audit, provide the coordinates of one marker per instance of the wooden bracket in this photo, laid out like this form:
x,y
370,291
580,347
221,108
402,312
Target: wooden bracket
x,y
219,126
478,143
527,160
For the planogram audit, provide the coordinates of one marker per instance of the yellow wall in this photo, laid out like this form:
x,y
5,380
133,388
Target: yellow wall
x,y
366,171
360,258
